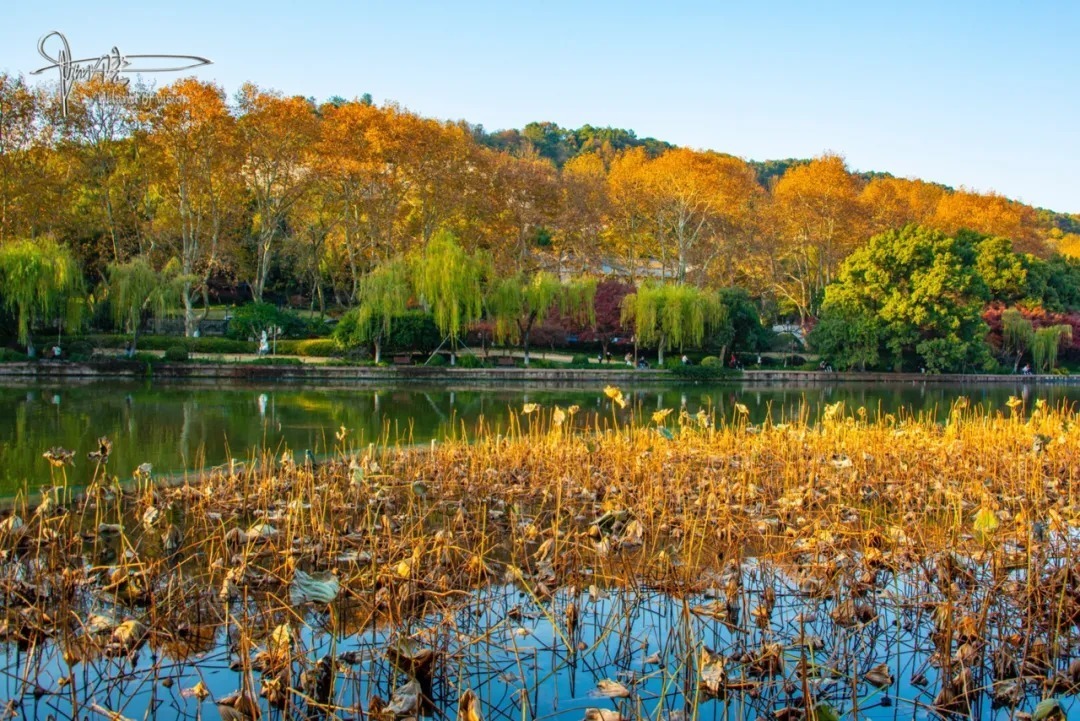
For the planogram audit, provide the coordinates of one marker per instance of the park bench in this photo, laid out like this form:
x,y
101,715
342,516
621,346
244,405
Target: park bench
x,y
403,360
504,360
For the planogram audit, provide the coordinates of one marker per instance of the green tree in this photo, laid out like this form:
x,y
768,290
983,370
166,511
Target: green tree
x,y
924,291
1003,271
672,315
383,294
741,327
517,303
39,279
1062,291
449,282
847,341
136,288
249,321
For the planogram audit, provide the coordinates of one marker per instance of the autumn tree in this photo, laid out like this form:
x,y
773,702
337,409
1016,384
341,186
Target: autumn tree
x,y
819,221
891,203
438,167
276,134
313,220
29,193
39,281
102,124
631,232
362,160
523,193
198,148
989,214
582,209
696,205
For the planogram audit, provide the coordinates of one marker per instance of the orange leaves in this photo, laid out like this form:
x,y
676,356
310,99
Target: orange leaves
x,y
991,214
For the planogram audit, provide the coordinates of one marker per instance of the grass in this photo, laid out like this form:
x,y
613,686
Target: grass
x,y
394,576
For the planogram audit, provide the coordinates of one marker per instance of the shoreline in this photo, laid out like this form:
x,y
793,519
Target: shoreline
x,y
396,374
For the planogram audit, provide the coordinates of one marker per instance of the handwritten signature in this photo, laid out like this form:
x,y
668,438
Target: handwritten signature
x,y
108,66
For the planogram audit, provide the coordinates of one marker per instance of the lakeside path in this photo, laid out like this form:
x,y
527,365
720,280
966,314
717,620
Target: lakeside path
x,y
224,371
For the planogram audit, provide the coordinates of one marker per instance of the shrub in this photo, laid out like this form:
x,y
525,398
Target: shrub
x,y
703,373
176,354
213,345
275,361
469,361
580,360
413,330
311,348
8,355
218,345
438,360
711,361
80,349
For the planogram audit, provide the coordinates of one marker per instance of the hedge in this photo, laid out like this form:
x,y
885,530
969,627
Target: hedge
x,y
215,344
312,348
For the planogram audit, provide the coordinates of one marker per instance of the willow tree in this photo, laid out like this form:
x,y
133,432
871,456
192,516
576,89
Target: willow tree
x,y
1045,346
672,315
135,289
1018,335
518,302
383,294
449,282
39,280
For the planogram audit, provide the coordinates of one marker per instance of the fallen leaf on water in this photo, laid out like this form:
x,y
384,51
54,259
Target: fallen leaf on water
x,y
611,689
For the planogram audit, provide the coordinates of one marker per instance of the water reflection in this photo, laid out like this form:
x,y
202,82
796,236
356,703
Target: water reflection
x,y
174,426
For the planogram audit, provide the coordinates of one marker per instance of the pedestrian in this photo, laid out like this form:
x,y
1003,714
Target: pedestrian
x,y
685,360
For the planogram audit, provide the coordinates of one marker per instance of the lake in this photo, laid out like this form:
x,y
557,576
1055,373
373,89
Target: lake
x,y
179,426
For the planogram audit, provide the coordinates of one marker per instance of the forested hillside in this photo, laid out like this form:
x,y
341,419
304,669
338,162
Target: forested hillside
x,y
262,196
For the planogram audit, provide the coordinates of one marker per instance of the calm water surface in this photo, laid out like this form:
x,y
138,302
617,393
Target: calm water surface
x,y
180,426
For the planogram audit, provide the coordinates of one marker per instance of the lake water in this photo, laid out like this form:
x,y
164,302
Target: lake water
x,y
183,426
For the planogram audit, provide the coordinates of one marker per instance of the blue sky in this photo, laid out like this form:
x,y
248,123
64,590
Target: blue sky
x,y
983,95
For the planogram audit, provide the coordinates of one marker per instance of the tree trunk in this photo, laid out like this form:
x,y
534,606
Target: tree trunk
x,y
660,352
189,311
378,350
525,331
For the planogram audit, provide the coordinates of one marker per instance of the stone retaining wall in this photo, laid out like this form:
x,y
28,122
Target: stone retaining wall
x,y
312,372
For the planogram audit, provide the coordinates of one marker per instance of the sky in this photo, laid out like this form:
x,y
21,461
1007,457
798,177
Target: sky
x,y
984,95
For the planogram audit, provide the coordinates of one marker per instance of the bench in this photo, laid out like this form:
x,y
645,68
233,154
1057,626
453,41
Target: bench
x,y
403,360
504,360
